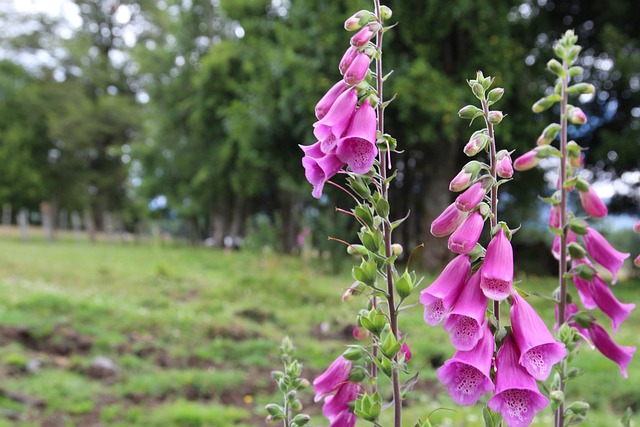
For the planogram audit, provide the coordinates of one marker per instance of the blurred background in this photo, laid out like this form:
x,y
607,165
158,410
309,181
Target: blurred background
x,y
177,122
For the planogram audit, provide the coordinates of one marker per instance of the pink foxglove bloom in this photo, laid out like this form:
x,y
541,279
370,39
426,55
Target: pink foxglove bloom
x,y
358,147
504,165
603,252
539,351
363,36
555,248
592,203
324,105
357,71
344,419
347,59
582,285
461,181
497,269
527,161
467,374
637,261
608,303
517,396
336,374
475,144
405,350
471,197
314,150
577,116
464,239
603,342
339,402
554,217
464,321
440,296
319,171
336,120
448,221
636,227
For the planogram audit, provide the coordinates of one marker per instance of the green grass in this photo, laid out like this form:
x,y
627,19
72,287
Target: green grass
x,y
195,331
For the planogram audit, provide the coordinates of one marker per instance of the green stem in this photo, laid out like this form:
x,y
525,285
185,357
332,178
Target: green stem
x,y
393,314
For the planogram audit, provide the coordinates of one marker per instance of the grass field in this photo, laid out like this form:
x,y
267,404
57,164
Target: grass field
x,y
193,334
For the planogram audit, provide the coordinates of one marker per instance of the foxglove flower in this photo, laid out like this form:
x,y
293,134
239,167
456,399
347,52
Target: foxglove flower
x,y
357,70
336,374
539,351
608,303
405,351
347,59
339,402
497,269
363,36
335,122
603,252
464,239
582,286
467,374
440,296
637,261
344,419
554,217
527,161
324,105
592,203
603,342
475,144
448,221
464,321
314,150
319,171
358,147
555,248
517,396
576,116
471,197
465,177
504,165
636,227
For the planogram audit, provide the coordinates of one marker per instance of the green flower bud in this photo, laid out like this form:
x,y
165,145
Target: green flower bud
x,y
548,134
575,71
276,411
357,375
301,419
353,353
495,95
477,90
582,185
397,249
555,67
579,408
545,103
404,285
469,112
576,251
578,226
495,117
581,88
557,395
385,13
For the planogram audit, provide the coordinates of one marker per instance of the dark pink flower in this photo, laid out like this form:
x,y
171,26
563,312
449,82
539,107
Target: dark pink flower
x,y
448,221
336,120
347,59
504,165
539,351
527,161
608,303
440,296
405,350
363,36
334,405
592,203
582,285
467,374
344,419
603,342
319,171
517,396
336,374
497,269
357,71
636,227
461,181
604,254
464,321
554,217
324,105
358,147
471,197
464,239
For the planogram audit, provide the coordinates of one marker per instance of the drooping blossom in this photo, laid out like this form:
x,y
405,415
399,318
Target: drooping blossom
x,y
603,342
539,351
504,165
604,254
554,217
608,303
592,203
347,59
336,374
404,350
319,171
464,322
357,70
471,197
344,419
358,147
582,285
448,221
475,144
363,36
335,405
517,396
467,374
555,248
335,122
497,269
464,239
527,161
440,296
636,227
324,105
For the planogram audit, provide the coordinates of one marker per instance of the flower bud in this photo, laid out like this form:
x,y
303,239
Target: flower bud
x,y
476,144
575,71
582,185
385,13
397,249
347,59
554,217
581,88
357,375
357,70
353,353
448,221
548,134
495,117
300,420
473,195
555,67
363,36
464,178
358,20
576,251
504,166
495,95
636,227
578,408
576,116
351,292
545,103
469,112
477,90
360,333
557,395
404,285
578,226
527,161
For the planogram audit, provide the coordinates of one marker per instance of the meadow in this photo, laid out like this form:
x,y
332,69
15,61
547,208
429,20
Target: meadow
x,y
113,334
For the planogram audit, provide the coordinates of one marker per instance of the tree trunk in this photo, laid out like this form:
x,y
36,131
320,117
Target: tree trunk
x,y
6,215
23,223
90,225
76,224
46,210
218,214
289,224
